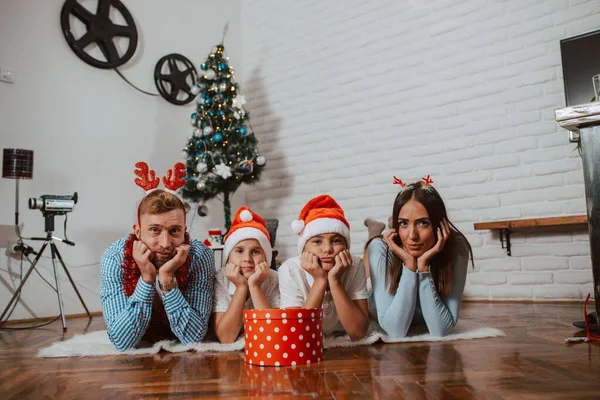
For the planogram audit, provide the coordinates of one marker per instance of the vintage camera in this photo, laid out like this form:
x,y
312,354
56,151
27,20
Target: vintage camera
x,y
54,204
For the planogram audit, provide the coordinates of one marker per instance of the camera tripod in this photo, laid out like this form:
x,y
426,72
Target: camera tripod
x,y
49,240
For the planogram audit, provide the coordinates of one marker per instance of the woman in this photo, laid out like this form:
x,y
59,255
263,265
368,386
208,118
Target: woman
x,y
418,269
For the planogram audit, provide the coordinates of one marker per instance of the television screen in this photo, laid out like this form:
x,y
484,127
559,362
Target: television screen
x,y
580,61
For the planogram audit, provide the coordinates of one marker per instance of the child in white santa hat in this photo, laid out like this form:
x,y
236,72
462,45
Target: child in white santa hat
x,y
246,281
325,274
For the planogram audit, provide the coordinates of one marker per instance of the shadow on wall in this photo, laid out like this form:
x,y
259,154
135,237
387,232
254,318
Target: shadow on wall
x,y
276,184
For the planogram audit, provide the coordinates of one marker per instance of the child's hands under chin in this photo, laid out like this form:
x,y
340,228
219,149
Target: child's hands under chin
x,y
234,274
260,274
343,261
310,263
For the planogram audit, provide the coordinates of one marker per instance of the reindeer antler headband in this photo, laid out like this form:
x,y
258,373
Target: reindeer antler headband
x,y
426,183
172,181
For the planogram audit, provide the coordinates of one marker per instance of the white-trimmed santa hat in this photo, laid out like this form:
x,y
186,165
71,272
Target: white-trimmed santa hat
x,y
320,215
247,225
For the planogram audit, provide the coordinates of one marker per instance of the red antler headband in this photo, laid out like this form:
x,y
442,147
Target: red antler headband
x,y
173,180
427,180
399,182
147,180
427,183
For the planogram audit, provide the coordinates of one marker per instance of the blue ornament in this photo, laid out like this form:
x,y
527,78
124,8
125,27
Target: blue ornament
x,y
221,113
203,67
218,138
207,101
243,130
194,116
245,167
202,210
211,113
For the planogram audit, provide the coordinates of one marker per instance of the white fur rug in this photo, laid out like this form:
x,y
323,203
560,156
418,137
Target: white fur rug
x,y
98,344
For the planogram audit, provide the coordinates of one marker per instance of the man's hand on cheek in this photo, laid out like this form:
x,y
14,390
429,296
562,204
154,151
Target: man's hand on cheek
x,y
142,255
171,266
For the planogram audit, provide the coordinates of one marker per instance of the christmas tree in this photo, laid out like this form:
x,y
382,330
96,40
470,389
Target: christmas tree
x,y
222,151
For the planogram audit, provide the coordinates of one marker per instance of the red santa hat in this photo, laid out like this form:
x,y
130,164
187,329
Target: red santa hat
x,y
320,215
248,225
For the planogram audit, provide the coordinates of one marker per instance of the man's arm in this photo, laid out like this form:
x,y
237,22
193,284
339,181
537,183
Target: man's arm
x,y
126,319
189,313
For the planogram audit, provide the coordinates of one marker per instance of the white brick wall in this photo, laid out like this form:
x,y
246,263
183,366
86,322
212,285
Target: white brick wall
x,y
344,94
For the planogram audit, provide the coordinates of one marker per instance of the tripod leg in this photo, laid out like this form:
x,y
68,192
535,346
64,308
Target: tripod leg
x,y
16,294
60,302
71,279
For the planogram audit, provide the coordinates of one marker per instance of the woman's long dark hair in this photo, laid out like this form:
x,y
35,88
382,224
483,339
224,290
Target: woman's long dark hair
x,y
441,264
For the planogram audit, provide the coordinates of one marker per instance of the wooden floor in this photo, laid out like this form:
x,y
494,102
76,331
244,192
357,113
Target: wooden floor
x,y
530,362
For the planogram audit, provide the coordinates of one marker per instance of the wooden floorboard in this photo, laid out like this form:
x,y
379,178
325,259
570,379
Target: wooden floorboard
x,y
530,362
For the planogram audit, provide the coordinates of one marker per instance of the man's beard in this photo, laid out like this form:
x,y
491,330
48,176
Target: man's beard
x,y
159,261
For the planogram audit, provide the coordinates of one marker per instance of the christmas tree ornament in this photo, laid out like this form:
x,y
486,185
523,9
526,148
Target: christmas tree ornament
x,y
202,167
218,138
236,115
245,167
195,89
222,87
223,171
202,210
207,101
193,122
239,101
208,130
261,160
184,154
201,185
210,74
203,67
197,132
243,131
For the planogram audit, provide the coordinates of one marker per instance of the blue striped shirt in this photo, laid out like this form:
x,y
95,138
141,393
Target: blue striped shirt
x,y
188,312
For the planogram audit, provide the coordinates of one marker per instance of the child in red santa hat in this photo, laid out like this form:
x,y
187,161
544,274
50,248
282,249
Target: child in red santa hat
x,y
325,274
246,281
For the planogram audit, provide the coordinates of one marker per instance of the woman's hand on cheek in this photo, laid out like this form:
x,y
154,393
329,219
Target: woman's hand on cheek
x,y
409,261
443,233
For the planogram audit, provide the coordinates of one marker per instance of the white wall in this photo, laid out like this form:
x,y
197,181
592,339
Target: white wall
x,y
88,128
347,93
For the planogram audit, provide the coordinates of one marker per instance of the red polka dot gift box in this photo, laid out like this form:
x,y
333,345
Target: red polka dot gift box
x,y
281,337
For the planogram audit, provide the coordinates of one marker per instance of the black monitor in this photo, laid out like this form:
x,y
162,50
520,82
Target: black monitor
x,y
580,61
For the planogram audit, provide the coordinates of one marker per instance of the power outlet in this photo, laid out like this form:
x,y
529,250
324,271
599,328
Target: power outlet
x,y
6,75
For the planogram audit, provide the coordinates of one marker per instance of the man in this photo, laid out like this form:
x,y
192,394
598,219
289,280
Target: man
x,y
157,284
